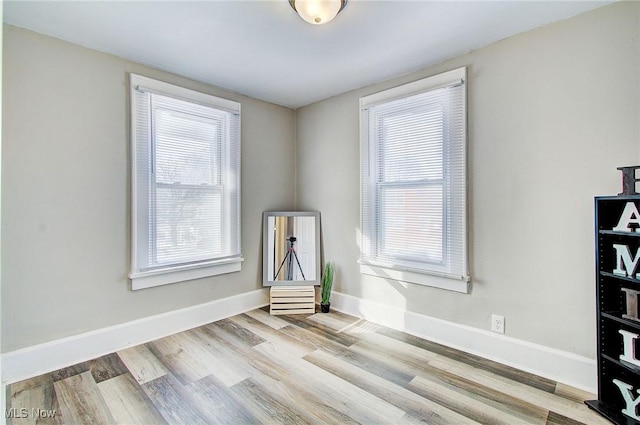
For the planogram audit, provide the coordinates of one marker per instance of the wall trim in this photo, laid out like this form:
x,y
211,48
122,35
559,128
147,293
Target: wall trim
x,y
551,363
50,356
557,365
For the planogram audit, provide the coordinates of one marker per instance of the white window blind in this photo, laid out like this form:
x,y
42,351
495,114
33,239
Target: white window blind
x,y
185,185
413,141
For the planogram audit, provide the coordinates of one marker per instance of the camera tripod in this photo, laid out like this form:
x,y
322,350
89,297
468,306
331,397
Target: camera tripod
x,y
291,254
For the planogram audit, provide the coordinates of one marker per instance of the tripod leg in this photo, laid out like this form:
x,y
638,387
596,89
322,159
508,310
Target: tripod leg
x,y
289,270
275,276
299,266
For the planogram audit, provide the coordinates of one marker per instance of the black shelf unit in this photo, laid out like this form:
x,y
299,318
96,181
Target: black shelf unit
x,y
612,314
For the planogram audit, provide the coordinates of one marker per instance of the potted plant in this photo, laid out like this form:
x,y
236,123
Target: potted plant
x,y
327,283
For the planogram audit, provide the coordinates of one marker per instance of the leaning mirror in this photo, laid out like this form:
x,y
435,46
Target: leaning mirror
x,y
291,248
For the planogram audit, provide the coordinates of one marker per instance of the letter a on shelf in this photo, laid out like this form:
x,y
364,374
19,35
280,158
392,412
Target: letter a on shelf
x,y
627,393
629,215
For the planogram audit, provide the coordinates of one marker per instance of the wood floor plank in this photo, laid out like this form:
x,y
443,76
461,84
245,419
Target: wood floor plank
x,y
183,365
258,364
571,409
395,348
360,405
233,345
346,318
190,358
377,363
466,406
289,344
418,363
339,324
241,333
106,367
506,402
57,418
285,384
411,359
128,403
272,374
26,399
418,407
314,369
227,367
321,331
269,320
223,405
374,362
142,364
343,324
266,408
309,403
574,394
81,400
172,401
315,339
475,361
407,359
556,419
70,371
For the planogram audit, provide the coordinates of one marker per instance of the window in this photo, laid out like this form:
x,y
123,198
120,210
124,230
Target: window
x,y
185,184
413,163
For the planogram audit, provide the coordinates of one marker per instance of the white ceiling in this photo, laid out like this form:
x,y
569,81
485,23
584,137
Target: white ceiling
x,y
264,50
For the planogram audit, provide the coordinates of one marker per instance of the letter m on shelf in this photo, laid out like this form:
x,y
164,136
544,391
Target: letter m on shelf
x,y
625,265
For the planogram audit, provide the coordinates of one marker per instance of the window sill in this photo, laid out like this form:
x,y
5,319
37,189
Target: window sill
x,y
435,280
149,279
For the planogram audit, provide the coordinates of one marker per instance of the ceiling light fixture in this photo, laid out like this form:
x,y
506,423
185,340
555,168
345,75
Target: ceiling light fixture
x,y
317,12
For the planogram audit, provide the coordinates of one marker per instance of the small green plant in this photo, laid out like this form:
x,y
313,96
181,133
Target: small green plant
x,y
327,282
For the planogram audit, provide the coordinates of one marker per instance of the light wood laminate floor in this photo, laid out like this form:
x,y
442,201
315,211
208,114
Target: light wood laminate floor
x,y
323,368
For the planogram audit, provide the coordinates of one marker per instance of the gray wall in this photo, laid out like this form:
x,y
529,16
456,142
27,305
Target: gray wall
x,y
552,113
65,198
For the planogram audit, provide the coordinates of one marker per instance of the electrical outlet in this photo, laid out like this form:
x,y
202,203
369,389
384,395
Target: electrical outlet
x,y
497,323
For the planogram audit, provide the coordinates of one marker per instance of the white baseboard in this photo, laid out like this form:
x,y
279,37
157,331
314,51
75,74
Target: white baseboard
x,y
557,365
42,358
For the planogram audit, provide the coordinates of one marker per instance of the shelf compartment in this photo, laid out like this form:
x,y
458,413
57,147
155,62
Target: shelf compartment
x,y
614,233
621,278
618,318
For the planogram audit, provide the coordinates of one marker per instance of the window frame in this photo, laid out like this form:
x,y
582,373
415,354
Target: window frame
x,y
371,261
143,275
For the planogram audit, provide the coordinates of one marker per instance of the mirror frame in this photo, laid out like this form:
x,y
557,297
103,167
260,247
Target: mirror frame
x,y
266,248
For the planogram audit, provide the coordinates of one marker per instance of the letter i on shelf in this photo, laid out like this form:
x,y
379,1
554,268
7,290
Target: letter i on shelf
x,y
632,304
